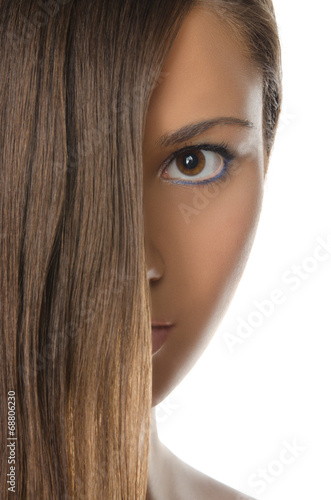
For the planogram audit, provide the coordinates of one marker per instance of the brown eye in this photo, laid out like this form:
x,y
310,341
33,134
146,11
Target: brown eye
x,y
196,165
191,162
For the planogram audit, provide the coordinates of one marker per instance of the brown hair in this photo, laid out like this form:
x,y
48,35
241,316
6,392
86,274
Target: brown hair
x,y
75,82
75,326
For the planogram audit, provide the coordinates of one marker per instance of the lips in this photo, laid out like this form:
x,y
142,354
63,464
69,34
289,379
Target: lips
x,y
160,332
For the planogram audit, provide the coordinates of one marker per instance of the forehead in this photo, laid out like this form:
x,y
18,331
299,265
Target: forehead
x,y
205,75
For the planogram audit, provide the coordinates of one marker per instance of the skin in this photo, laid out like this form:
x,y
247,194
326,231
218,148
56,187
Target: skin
x,y
196,255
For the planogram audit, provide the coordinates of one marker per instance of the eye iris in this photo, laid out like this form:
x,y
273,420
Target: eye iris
x,y
191,163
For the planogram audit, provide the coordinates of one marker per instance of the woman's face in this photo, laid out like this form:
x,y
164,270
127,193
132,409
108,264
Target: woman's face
x,y
201,206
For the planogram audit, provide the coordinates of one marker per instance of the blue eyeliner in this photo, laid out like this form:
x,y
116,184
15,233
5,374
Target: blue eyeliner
x,y
206,181
221,149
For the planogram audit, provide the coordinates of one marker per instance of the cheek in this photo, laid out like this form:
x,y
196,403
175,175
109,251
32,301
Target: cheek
x,y
204,256
212,230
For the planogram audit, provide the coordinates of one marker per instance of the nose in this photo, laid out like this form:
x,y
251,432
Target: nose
x,y
154,262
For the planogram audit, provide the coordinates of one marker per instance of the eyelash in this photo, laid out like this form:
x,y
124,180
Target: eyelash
x,y
222,149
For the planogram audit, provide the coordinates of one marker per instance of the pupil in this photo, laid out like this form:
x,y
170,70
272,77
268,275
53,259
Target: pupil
x,y
190,161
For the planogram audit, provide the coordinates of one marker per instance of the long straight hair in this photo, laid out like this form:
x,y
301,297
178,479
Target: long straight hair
x,y
76,77
75,80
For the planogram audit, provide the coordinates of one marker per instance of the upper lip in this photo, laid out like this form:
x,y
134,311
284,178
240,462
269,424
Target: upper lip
x,y
161,324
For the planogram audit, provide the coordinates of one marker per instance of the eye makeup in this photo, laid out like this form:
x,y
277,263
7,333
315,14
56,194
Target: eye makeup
x,y
221,149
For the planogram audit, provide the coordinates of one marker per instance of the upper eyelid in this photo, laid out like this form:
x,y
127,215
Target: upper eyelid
x,y
228,152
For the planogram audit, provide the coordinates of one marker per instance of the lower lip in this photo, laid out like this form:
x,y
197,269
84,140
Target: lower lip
x,y
159,336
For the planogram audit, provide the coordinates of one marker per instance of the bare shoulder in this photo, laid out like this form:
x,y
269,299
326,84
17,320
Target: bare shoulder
x,y
192,484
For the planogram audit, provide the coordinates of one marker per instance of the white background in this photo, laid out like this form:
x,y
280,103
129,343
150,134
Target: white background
x,y
237,411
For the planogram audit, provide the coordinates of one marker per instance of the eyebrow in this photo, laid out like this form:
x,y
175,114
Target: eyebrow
x,y
188,131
